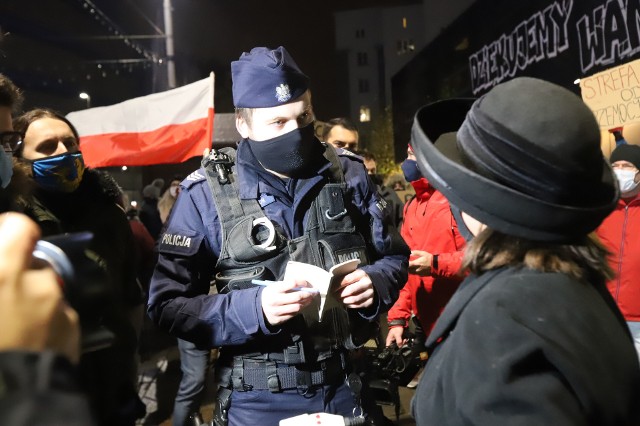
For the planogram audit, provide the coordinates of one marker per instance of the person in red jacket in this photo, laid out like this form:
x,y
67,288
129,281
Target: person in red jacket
x,y
431,232
620,232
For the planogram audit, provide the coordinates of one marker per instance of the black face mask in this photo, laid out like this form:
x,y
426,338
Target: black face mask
x,y
462,227
296,154
376,178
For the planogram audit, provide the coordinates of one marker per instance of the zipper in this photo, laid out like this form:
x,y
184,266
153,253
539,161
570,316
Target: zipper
x,y
624,231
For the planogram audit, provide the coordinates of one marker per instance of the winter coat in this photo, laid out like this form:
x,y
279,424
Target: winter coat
x,y
523,347
39,388
620,232
108,375
150,217
429,226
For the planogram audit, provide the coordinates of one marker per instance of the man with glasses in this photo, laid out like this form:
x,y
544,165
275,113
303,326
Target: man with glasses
x,y
40,332
619,233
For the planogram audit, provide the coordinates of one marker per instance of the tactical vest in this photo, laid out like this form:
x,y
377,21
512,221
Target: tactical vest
x,y
254,248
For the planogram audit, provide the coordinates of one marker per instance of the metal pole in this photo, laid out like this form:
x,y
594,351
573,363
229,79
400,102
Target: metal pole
x,y
168,31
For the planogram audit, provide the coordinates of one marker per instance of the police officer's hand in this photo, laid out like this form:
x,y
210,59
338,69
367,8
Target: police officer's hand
x,y
33,313
395,335
356,290
280,302
420,263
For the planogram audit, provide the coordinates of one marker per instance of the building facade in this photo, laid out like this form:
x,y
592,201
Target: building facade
x,y
561,41
373,44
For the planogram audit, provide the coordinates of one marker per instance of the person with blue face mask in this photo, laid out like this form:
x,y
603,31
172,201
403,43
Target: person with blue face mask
x,y
69,197
281,196
619,233
40,340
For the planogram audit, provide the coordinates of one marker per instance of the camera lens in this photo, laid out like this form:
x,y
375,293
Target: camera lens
x,y
55,257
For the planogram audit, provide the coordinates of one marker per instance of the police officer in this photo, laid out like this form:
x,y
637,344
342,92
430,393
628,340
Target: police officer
x,y
282,196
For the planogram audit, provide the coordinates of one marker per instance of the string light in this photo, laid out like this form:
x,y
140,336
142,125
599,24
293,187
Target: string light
x,y
66,73
114,28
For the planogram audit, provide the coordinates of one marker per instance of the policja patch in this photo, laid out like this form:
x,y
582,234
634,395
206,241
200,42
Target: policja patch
x,y
180,242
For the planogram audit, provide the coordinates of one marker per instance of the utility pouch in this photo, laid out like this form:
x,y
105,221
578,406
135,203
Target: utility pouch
x,y
334,249
332,212
253,239
227,281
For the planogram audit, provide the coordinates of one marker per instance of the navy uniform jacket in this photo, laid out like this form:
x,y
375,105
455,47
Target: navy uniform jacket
x,y
190,246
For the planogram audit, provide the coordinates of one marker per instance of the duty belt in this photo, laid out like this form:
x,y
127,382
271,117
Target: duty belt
x,y
250,374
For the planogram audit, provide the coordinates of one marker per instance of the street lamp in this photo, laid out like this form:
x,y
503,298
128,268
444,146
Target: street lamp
x,y
86,97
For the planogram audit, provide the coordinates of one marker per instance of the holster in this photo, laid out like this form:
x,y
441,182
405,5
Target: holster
x,y
223,402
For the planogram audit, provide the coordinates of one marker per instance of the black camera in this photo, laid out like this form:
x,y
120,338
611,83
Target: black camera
x,y
84,283
399,363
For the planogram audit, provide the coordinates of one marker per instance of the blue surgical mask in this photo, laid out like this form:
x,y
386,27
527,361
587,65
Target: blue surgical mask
x,y
62,173
410,170
6,168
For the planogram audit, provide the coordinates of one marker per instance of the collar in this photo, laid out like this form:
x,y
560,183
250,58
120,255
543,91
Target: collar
x,y
625,202
424,190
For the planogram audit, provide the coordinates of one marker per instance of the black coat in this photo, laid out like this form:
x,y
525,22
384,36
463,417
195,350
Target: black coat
x,y
40,389
520,347
150,216
107,375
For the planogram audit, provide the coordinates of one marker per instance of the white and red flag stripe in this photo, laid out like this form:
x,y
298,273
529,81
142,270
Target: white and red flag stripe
x,y
166,127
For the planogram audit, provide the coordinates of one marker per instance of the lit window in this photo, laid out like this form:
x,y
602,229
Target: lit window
x,y
365,114
405,46
404,23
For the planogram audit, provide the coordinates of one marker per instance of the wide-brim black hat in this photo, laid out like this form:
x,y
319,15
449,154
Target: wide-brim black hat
x,y
524,159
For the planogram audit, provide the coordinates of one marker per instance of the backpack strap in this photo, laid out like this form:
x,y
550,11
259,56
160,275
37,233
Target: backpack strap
x,y
335,172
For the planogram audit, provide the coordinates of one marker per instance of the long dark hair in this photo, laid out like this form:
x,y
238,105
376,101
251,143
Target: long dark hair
x,y
582,260
22,123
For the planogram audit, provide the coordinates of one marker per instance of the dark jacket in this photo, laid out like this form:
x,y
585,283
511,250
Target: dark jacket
x,y
395,205
40,389
108,375
521,347
150,216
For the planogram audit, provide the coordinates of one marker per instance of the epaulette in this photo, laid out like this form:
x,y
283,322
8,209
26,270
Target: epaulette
x,y
193,178
346,153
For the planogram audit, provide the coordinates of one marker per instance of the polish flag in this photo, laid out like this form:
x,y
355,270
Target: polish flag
x,y
166,127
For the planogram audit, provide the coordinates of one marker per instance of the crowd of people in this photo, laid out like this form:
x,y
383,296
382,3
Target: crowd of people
x,y
514,262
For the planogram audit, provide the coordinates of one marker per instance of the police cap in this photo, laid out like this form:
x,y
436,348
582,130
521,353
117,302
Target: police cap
x,y
265,78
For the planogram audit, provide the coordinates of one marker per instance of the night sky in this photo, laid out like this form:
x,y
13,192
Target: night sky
x,y
47,51
219,31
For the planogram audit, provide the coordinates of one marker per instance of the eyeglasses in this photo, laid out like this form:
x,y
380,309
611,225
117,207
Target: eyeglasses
x,y
11,141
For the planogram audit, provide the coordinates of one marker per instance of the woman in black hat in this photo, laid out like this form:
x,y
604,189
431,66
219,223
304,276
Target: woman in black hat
x,y
531,337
